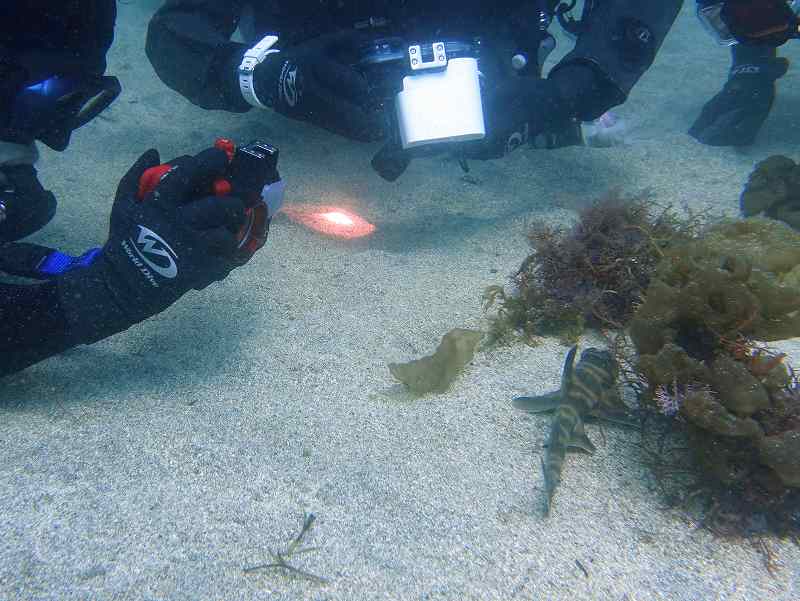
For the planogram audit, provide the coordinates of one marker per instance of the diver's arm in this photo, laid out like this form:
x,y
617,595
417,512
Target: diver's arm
x,y
189,46
129,280
32,325
41,320
619,42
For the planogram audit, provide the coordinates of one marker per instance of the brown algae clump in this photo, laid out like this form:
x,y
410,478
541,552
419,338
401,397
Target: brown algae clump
x,y
436,372
767,246
593,273
710,290
710,300
773,189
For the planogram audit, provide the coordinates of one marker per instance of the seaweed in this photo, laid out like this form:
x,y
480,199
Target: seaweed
x,y
702,357
689,314
590,275
436,372
280,559
677,455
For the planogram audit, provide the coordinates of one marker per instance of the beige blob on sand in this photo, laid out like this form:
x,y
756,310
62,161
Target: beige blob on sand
x,y
436,372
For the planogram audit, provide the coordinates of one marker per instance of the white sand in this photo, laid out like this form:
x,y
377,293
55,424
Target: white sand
x,y
159,463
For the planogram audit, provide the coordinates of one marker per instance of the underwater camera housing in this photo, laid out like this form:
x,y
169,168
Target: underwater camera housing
x,y
434,88
253,175
441,100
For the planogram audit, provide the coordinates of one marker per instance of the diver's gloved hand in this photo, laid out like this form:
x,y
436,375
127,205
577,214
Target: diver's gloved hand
x,y
734,116
26,205
305,82
543,112
159,248
509,118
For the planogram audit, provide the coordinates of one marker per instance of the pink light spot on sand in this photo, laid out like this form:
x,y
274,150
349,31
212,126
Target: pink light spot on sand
x,y
329,221
337,217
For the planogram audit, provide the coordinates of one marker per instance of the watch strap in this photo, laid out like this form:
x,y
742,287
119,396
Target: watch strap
x,y
251,59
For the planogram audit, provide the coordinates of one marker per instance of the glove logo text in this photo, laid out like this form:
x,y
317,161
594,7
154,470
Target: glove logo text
x,y
149,244
746,70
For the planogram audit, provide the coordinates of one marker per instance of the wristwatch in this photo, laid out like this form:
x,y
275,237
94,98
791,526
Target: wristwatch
x,y
252,58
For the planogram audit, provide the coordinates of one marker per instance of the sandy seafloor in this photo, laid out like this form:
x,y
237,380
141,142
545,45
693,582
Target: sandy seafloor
x,y
161,462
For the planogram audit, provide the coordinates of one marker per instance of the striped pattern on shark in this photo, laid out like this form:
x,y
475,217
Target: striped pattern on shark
x,y
588,389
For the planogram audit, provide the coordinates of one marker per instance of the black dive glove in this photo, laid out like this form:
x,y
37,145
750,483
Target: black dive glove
x,y
543,112
305,82
734,116
158,248
26,205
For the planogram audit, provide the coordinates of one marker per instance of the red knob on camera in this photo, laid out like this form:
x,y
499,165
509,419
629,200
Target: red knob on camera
x,y
150,179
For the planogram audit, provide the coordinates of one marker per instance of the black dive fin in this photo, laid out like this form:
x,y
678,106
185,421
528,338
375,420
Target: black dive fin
x,y
538,404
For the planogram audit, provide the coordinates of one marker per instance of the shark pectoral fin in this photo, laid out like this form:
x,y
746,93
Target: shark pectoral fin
x,y
538,404
580,441
619,418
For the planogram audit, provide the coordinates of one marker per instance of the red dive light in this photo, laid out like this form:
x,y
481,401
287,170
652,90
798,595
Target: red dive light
x,y
252,175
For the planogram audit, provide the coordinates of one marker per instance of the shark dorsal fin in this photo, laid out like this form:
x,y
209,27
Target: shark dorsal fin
x,y
569,364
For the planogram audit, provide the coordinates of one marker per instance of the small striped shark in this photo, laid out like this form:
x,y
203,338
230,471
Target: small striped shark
x,y
588,389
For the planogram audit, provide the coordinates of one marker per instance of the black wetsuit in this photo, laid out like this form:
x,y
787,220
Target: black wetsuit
x,y
32,325
37,38
189,41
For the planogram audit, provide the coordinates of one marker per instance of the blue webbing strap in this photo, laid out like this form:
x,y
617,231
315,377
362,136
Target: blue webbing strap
x,y
57,262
